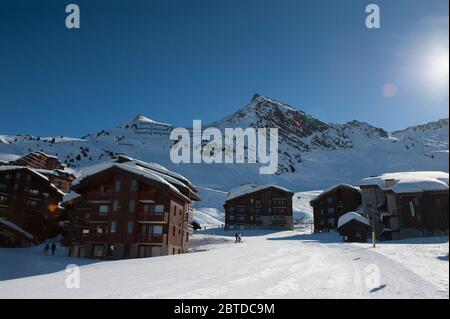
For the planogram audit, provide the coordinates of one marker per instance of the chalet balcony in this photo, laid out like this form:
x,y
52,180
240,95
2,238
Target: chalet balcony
x,y
151,238
152,217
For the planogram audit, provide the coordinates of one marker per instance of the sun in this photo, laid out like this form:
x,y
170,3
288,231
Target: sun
x,y
438,66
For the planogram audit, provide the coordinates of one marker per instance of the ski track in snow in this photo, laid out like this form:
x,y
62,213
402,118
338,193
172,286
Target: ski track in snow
x,y
272,265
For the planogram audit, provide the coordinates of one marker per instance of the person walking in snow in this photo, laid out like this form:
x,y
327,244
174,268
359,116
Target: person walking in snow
x,y
46,248
237,238
53,248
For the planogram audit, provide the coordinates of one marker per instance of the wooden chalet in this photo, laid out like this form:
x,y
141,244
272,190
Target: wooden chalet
x,y
29,200
407,204
331,204
259,207
127,209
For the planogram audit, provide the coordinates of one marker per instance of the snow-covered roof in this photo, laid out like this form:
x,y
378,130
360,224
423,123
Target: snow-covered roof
x,y
343,185
11,225
346,218
409,182
35,172
6,158
131,167
252,188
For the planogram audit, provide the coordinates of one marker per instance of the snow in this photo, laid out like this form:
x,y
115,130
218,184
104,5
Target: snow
x,y
348,217
132,168
301,205
329,189
251,188
11,225
209,217
409,182
291,264
6,158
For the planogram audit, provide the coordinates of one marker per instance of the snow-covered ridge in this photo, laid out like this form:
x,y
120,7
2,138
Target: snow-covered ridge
x,y
312,154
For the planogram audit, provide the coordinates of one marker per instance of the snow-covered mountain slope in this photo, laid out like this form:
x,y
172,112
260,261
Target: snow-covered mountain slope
x,y
312,154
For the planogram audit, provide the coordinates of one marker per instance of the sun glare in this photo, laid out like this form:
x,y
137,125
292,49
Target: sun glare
x,y
438,66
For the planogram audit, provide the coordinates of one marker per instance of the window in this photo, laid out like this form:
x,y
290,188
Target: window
x,y
113,227
33,192
258,202
86,232
103,210
240,209
130,227
3,199
331,210
174,231
159,209
46,195
231,217
8,176
241,219
32,204
105,189
329,200
117,186
115,206
134,186
258,210
132,206
28,178
101,229
17,175
157,230
2,188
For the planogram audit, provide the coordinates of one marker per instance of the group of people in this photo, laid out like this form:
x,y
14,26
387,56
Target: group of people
x,y
238,238
52,248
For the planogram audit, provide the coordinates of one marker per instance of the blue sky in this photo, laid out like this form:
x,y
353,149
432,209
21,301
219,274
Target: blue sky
x,y
179,60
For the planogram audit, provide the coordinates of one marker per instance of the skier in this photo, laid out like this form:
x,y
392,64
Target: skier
x,y
46,248
237,238
53,248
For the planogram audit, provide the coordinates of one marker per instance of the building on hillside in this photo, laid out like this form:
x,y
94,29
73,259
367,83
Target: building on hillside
x,y
353,227
127,209
407,204
12,235
47,165
29,200
332,203
38,160
259,207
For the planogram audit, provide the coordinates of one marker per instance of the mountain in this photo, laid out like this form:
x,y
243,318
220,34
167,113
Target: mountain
x,y
312,154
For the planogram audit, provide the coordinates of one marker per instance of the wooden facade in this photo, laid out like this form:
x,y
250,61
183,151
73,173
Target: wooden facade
x,y
124,214
402,213
329,206
47,165
13,236
265,208
29,200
